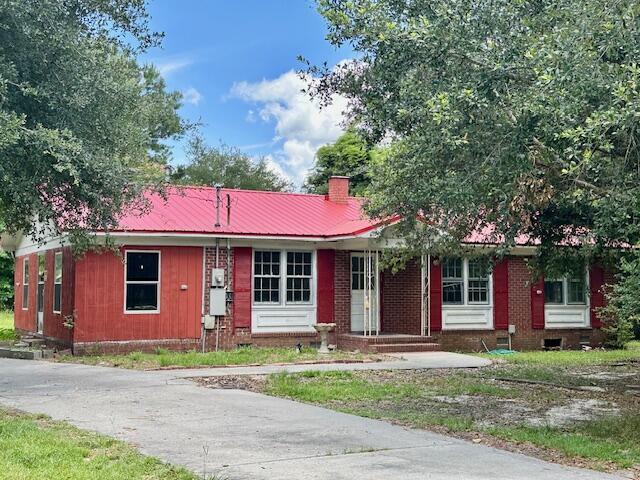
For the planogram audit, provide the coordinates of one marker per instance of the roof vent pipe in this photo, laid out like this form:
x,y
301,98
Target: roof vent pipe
x,y
218,187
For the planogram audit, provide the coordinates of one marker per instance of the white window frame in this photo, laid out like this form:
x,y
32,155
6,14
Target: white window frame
x,y
465,289
568,315
565,293
158,283
26,279
285,287
55,257
283,303
253,277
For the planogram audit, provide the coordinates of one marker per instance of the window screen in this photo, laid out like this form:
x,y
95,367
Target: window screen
x,y
452,281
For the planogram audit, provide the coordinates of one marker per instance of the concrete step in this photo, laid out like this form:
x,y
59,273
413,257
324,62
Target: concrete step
x,y
405,347
388,339
25,354
33,342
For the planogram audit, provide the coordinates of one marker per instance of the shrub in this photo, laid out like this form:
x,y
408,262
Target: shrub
x,y
621,316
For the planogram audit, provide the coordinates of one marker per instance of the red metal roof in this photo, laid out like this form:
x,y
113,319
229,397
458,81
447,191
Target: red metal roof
x,y
193,210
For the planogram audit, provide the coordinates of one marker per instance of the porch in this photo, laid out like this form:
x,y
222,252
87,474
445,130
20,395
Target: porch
x,y
387,311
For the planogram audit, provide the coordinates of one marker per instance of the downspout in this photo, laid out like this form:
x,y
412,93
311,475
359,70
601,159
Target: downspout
x,y
429,295
217,318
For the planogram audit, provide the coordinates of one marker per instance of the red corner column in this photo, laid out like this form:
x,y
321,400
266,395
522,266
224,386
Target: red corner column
x,y
501,295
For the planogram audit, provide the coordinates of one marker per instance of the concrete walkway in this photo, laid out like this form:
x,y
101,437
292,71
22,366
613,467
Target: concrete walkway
x,y
251,436
405,361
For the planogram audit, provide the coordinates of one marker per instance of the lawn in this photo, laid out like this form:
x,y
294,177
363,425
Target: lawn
x,y
577,408
33,447
6,326
240,356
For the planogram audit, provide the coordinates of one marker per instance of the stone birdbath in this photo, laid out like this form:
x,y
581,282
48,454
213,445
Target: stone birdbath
x,y
323,329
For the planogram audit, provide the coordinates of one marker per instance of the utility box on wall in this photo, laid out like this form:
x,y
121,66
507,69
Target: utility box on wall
x,y
217,293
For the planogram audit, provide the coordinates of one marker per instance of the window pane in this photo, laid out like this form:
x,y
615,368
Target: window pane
x,y
58,268
25,280
41,268
142,267
478,291
452,292
478,268
452,268
142,296
57,297
25,296
576,291
553,291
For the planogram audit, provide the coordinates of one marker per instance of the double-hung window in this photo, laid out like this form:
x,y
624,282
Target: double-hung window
x,y
465,281
25,284
298,277
275,285
57,283
266,277
142,282
569,290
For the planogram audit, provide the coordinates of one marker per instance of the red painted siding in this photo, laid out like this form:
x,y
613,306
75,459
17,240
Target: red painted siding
x,y
501,295
537,304
54,322
435,297
325,295
242,258
597,300
99,297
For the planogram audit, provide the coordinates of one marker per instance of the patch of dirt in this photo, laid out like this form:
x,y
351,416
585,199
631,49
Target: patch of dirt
x,y
577,410
253,383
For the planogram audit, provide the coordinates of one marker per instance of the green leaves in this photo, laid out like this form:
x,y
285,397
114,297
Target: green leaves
x,y
82,125
518,115
227,166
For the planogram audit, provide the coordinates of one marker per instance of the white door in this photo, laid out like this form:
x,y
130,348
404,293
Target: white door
x,y
358,297
40,294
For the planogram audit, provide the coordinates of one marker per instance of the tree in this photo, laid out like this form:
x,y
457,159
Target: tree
x,y
227,166
6,281
521,117
350,156
81,122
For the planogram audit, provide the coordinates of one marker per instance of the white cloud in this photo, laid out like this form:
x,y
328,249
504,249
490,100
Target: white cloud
x,y
171,65
192,96
300,124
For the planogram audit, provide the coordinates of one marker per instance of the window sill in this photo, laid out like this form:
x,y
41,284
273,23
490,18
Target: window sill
x,y
141,312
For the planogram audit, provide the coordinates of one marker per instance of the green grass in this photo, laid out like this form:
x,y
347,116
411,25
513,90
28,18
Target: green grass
x,y
413,400
6,326
609,439
330,386
35,447
574,358
192,359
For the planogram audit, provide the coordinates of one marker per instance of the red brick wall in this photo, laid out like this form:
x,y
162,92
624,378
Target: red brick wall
x,y
401,300
342,291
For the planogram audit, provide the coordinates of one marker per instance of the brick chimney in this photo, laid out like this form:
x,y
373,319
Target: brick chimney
x,y
338,189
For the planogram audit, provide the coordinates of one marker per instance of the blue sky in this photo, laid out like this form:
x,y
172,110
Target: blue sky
x,y
234,61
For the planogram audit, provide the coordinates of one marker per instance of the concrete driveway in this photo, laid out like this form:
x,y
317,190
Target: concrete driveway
x,y
244,435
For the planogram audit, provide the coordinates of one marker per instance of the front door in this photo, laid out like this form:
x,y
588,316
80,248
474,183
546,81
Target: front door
x,y
40,296
358,289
